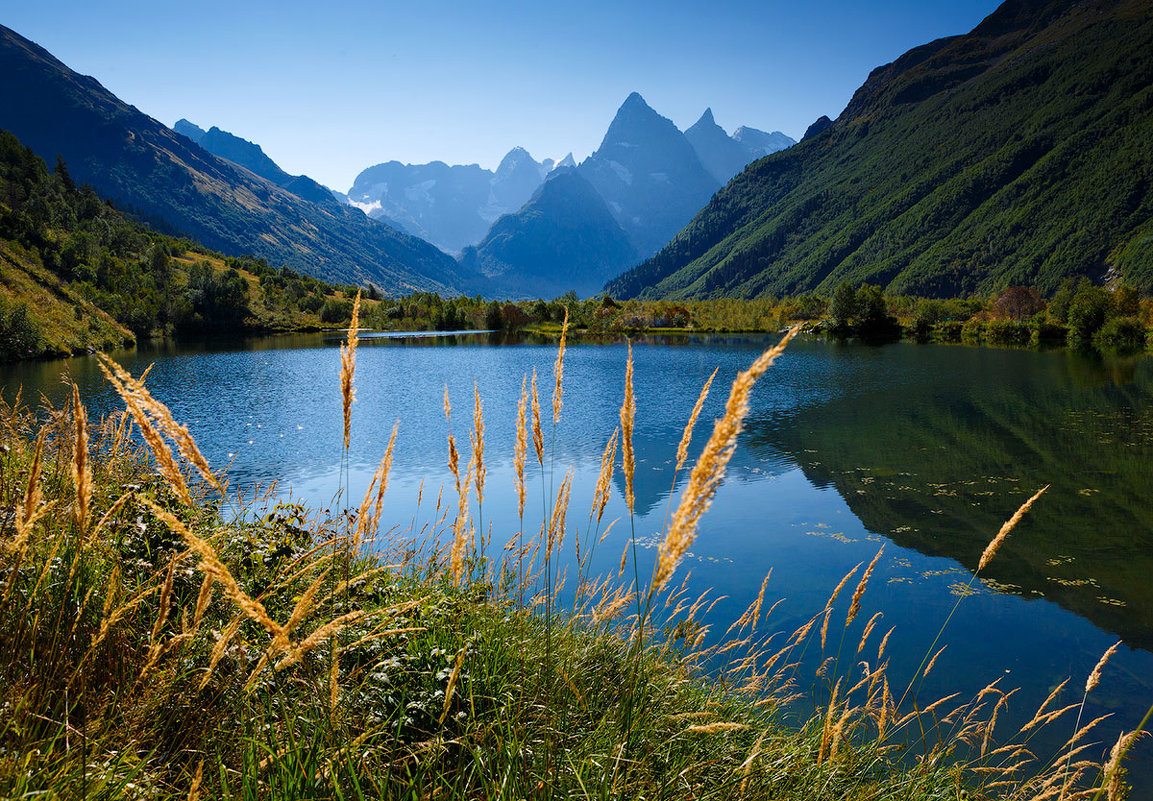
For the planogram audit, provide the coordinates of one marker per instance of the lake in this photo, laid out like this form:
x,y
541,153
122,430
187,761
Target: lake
x,y
925,449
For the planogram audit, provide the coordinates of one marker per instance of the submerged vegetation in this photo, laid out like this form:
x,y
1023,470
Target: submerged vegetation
x,y
163,635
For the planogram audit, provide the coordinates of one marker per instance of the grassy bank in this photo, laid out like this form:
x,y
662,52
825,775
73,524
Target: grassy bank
x,y
162,636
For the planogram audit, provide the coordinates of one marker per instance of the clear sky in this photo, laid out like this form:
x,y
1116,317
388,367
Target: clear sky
x,y
328,89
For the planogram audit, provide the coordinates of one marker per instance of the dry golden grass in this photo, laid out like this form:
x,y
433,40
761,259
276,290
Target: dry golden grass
x,y
368,518
153,419
81,467
768,674
604,478
628,418
537,433
855,603
995,544
520,449
709,470
30,509
1095,675
479,470
558,372
348,368
687,436
833,599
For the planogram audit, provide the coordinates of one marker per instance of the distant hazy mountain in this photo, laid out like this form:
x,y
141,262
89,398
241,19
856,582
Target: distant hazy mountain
x,y
649,175
564,238
450,206
760,143
180,187
1018,153
586,225
723,155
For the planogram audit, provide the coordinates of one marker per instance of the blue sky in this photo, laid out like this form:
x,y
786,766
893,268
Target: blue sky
x,y
330,89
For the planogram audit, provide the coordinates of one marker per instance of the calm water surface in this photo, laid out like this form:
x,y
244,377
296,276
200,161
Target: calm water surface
x,y
925,449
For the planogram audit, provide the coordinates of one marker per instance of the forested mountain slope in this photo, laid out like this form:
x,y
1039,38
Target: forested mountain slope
x,y
1019,153
139,163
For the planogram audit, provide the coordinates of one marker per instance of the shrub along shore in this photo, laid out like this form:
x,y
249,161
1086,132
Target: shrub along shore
x,y
165,636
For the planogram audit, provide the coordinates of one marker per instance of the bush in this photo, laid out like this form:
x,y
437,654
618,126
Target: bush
x,y
948,331
1121,332
19,336
312,304
1008,332
1050,333
336,311
973,331
1090,308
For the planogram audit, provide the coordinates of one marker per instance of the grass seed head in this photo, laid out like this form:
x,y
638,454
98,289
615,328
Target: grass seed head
x,y
628,418
995,544
348,368
558,372
709,470
520,449
687,436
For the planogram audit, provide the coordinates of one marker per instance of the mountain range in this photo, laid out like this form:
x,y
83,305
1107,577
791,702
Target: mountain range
x,y
1019,153
652,177
641,186
527,228
449,206
519,234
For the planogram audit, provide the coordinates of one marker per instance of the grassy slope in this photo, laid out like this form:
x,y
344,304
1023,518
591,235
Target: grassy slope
x,y
1016,154
67,322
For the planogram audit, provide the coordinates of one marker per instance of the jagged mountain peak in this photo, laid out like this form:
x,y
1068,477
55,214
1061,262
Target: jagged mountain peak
x,y
635,101
514,156
649,175
516,159
636,119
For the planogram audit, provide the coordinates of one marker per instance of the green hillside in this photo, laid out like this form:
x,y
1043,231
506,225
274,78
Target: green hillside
x,y
75,273
181,188
1020,153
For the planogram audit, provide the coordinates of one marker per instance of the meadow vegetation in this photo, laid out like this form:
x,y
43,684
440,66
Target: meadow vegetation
x,y
166,635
